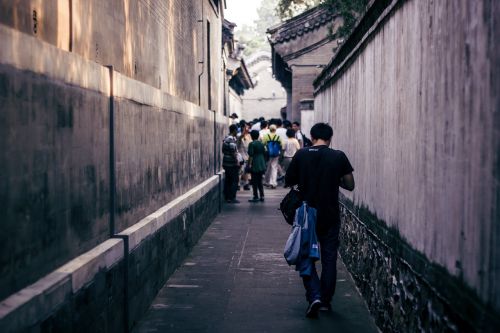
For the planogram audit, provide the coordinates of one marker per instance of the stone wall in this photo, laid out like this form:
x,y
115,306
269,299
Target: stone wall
x,y
108,288
53,160
174,141
412,96
235,103
160,44
86,151
302,83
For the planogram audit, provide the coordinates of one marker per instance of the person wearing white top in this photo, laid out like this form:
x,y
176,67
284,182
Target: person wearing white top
x,y
281,132
264,131
256,126
290,148
298,134
271,176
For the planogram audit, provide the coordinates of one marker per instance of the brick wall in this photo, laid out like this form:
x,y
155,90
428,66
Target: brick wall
x,y
302,87
55,154
160,44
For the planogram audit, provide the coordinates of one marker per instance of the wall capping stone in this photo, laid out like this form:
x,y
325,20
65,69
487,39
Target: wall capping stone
x,y
142,93
152,223
36,301
83,268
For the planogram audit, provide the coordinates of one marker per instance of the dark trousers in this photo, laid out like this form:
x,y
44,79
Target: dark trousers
x,y
257,184
324,288
231,182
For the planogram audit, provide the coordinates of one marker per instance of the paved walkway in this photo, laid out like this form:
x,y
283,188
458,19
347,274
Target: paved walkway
x,y
236,280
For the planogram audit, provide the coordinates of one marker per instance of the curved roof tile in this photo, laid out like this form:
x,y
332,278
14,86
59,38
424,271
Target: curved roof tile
x,y
301,24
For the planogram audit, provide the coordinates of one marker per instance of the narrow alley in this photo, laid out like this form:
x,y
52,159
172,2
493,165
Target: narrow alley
x,y
126,127
236,280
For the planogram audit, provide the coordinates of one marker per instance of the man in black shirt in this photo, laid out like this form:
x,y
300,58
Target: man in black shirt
x,y
319,171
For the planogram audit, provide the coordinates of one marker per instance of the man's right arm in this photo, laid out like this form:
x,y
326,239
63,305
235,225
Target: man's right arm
x,y
347,182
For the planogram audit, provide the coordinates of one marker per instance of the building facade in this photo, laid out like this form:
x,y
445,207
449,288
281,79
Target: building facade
x,y
301,47
237,75
268,97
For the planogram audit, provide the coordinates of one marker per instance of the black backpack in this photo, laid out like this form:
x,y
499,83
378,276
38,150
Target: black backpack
x,y
289,204
306,140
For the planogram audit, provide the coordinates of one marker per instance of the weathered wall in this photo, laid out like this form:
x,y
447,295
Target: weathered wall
x,y
302,83
108,288
267,98
55,123
235,103
415,107
164,146
53,161
160,44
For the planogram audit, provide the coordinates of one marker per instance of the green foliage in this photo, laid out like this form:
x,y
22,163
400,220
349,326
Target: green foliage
x,y
254,36
350,10
252,39
271,12
289,8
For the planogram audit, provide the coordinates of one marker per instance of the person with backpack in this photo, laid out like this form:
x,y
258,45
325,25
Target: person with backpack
x,y
304,141
272,142
319,172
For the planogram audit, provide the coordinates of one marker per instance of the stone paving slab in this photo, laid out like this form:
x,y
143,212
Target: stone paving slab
x,y
236,280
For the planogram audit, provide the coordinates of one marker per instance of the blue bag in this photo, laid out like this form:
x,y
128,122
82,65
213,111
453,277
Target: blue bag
x,y
292,246
273,146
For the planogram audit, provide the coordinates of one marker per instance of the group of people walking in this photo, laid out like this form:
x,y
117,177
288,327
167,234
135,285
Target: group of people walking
x,y
316,170
257,153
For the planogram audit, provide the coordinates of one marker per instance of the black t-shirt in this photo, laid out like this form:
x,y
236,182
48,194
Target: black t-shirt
x,y
317,171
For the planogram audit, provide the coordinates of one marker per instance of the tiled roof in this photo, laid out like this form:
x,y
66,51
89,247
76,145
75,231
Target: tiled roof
x,y
258,57
300,25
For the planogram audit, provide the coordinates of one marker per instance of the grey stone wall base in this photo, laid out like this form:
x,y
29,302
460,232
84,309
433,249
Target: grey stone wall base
x,y
404,291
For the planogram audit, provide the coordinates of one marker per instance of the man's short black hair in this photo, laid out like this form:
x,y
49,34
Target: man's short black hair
x,y
254,134
322,131
287,124
263,124
279,123
296,123
233,128
290,133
